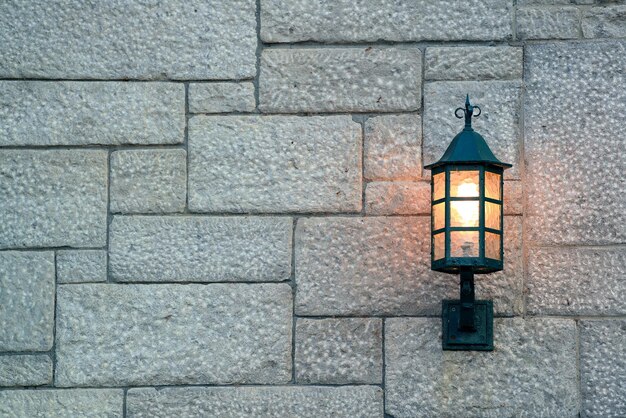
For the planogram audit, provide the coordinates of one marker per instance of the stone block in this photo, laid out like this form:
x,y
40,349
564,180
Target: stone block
x,y
87,403
604,22
381,266
53,198
603,368
500,102
25,370
339,351
513,198
279,164
531,372
177,39
148,181
270,402
574,187
79,266
26,300
474,63
576,281
397,198
390,20
340,79
221,97
193,248
173,334
45,113
547,23
393,147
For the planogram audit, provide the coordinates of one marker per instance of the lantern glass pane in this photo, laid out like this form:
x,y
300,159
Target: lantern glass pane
x,y
464,213
464,183
440,246
439,186
492,215
439,216
464,244
492,245
492,185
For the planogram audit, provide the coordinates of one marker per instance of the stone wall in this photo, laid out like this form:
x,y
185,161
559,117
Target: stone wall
x,y
218,208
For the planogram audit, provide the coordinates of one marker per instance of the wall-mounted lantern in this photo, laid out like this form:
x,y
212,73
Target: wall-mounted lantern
x,y
466,230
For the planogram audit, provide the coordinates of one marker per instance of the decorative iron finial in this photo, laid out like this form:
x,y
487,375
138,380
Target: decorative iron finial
x,y
468,112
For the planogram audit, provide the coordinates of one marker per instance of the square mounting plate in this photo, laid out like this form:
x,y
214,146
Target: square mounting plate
x,y
454,339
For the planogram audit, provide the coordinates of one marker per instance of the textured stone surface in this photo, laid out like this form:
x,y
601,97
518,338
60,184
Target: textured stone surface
x,y
191,248
393,147
397,198
339,351
173,334
78,266
87,403
513,198
390,20
579,281
340,79
221,97
25,370
271,402
603,368
46,113
381,266
128,39
148,181
26,300
574,165
532,371
554,2
274,164
500,102
547,23
604,22
473,63
53,198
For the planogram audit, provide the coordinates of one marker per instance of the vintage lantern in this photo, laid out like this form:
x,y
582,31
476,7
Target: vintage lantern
x,y
467,230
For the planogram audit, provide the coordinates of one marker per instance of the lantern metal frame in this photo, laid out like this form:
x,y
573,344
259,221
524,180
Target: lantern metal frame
x,y
467,323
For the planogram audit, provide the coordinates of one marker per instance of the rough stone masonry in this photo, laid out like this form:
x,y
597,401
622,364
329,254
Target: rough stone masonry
x,y
218,208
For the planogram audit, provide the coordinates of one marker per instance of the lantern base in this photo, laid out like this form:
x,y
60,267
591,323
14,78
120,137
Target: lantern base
x,y
456,338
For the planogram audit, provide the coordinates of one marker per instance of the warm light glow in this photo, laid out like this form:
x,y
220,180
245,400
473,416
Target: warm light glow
x,y
468,189
464,183
464,213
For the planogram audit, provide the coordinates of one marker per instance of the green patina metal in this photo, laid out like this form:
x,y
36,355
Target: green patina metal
x,y
467,323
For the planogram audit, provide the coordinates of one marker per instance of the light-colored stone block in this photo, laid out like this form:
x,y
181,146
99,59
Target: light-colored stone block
x,y
44,113
500,103
26,300
547,23
78,266
473,63
274,164
135,39
51,403
604,22
340,79
339,351
393,147
513,198
25,370
53,198
259,401
574,161
531,372
552,2
148,181
193,248
381,266
576,281
603,368
221,97
173,334
397,198
391,20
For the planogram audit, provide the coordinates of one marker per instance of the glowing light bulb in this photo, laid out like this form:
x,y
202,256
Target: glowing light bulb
x,y
468,190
